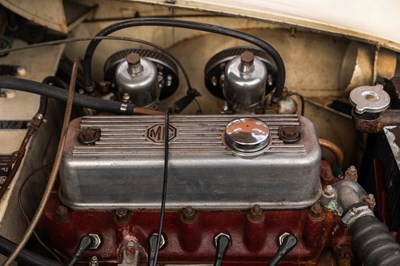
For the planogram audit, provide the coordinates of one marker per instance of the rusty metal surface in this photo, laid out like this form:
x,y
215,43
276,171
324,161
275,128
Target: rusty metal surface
x,y
252,242
389,118
393,136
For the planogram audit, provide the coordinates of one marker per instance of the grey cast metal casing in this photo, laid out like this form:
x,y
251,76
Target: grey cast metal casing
x,y
124,169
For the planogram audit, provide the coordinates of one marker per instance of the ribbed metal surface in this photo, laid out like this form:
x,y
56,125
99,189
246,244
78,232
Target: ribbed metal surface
x,y
124,168
126,135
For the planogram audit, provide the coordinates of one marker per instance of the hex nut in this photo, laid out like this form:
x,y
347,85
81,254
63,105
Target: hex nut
x,y
256,214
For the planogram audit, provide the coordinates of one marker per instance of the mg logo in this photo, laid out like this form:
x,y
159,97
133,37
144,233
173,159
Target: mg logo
x,y
156,133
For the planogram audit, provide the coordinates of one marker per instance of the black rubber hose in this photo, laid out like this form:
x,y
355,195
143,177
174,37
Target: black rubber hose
x,y
187,25
42,105
26,257
374,243
50,80
56,81
61,94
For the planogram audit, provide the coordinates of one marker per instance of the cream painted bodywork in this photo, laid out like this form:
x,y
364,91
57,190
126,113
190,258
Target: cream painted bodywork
x,y
373,21
369,20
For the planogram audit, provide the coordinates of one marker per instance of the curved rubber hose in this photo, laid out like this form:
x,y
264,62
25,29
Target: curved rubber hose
x,y
42,105
25,257
374,243
55,81
88,82
50,80
61,94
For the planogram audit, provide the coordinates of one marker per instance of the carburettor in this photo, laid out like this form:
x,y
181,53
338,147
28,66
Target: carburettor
x,y
245,80
136,79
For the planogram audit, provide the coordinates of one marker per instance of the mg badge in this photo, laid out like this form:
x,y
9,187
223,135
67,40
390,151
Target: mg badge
x,y
157,132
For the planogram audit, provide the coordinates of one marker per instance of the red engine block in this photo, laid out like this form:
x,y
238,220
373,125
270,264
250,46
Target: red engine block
x,y
190,237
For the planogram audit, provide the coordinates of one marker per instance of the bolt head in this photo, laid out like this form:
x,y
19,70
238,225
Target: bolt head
x,y
256,210
62,213
61,210
329,191
121,213
89,135
133,59
188,211
247,57
256,214
188,215
289,134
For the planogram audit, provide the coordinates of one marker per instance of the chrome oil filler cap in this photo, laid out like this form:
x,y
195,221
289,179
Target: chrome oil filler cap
x,y
246,135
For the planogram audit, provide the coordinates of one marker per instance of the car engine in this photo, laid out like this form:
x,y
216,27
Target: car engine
x,y
165,158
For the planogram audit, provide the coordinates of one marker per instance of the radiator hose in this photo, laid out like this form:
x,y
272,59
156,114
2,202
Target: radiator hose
x,y
371,238
374,243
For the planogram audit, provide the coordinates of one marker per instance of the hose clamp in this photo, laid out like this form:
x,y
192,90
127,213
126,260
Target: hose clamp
x,y
123,107
356,212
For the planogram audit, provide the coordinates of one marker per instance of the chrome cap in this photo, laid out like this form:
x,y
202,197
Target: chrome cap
x,y
247,135
369,99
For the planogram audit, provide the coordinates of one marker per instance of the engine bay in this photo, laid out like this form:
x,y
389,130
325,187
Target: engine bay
x,y
182,137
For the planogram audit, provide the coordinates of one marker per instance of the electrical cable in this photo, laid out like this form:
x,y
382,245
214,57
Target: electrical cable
x,y
21,207
199,110
25,257
7,40
164,186
109,38
187,25
19,155
54,171
85,243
